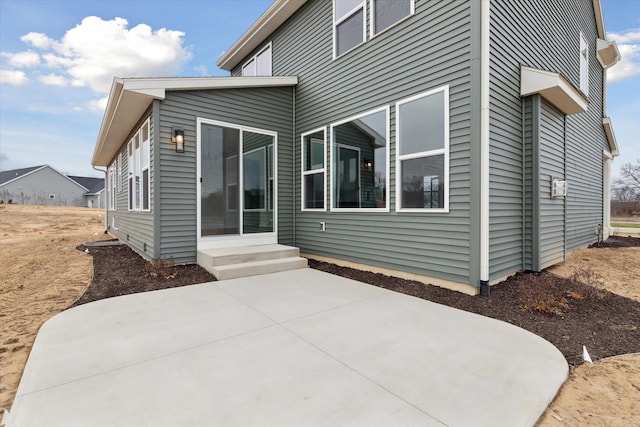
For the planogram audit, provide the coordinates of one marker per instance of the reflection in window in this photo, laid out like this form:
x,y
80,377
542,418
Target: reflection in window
x,y
313,170
423,144
360,152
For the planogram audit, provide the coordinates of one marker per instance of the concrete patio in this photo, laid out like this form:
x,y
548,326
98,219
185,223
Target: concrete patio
x,y
296,348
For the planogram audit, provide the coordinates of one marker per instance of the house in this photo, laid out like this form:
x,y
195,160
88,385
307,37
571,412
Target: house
x,y
43,185
453,142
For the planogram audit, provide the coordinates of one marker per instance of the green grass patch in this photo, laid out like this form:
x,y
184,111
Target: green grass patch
x,y
625,225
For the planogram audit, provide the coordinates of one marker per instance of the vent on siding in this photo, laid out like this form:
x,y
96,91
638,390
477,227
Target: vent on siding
x,y
558,188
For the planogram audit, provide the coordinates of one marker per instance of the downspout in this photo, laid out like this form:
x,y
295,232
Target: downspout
x,y
106,205
524,183
484,147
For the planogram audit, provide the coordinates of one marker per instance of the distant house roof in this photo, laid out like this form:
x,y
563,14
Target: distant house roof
x,y
93,185
10,175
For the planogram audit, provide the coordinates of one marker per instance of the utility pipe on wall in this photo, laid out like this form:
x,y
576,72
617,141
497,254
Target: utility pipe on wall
x,y
484,147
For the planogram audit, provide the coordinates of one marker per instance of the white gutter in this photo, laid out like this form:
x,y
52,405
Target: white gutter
x,y
484,146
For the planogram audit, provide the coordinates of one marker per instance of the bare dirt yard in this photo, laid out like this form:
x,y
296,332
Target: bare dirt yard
x,y
43,274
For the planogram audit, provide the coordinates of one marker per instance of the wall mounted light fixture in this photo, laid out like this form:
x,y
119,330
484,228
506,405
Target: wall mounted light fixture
x,y
178,139
367,164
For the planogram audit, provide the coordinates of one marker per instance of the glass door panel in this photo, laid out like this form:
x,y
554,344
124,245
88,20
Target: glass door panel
x,y
257,215
219,195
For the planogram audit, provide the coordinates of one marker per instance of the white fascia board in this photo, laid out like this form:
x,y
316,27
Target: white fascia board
x,y
607,53
554,88
266,24
597,11
611,137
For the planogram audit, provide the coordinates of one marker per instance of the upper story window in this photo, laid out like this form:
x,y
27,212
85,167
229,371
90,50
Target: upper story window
x,y
422,162
260,64
385,13
348,25
584,65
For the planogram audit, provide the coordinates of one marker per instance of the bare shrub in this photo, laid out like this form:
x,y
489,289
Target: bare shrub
x,y
540,293
164,268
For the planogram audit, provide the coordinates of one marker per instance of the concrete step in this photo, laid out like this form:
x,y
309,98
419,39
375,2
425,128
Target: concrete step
x,y
227,256
254,268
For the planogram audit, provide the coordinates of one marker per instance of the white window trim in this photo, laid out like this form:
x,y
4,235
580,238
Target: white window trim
x,y
429,153
131,190
332,143
363,7
147,195
304,173
584,73
112,185
254,58
372,19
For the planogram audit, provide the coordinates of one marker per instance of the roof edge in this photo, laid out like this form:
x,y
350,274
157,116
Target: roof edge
x,y
260,30
553,87
611,137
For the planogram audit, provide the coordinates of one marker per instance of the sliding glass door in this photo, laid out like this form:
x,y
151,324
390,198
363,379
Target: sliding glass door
x,y
237,182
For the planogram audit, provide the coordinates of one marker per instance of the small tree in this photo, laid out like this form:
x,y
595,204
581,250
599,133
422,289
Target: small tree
x,y
625,190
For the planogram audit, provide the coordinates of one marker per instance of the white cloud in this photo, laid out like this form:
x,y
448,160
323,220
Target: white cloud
x,y
95,51
13,77
38,40
54,80
98,105
24,59
629,46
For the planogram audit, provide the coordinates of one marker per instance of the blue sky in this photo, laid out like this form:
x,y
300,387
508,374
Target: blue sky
x,y
58,58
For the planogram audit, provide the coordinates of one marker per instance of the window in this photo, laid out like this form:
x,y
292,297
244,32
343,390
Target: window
x,y
422,161
138,150
260,64
111,185
359,161
348,25
584,65
314,181
385,13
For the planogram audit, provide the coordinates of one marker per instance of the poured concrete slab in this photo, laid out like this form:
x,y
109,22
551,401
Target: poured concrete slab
x,y
300,347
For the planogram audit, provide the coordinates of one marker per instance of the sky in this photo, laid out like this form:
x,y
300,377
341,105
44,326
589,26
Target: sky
x,y
58,59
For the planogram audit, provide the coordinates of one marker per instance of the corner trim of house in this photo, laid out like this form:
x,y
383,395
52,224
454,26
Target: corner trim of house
x,y
485,29
427,280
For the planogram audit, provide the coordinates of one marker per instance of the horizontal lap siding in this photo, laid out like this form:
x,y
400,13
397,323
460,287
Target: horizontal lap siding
x,y
551,142
263,108
135,228
426,51
545,35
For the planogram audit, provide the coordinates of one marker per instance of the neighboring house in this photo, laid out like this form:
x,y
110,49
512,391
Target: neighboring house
x,y
455,142
43,185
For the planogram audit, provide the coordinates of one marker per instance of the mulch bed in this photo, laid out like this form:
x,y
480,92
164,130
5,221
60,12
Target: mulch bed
x,y
607,324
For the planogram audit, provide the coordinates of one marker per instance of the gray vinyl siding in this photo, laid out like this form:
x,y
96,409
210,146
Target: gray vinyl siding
x,y
552,163
530,175
135,228
36,187
264,108
537,34
426,51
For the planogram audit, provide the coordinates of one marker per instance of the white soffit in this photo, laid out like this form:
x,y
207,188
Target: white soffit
x,y
611,137
554,88
607,53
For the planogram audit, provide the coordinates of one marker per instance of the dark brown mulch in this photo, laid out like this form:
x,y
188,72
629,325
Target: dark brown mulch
x,y
618,242
607,324
118,270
